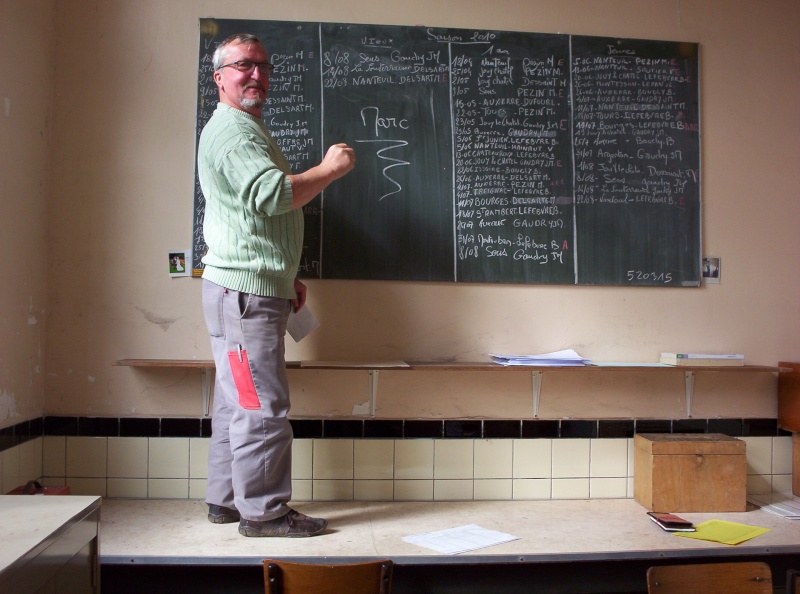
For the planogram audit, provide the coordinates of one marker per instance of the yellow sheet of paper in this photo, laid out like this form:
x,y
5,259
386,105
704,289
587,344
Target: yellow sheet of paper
x,y
725,532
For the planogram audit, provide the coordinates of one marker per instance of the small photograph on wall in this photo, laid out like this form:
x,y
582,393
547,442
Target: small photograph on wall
x,y
711,270
178,263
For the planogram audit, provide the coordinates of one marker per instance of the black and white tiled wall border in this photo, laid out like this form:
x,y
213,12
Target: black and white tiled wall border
x,y
393,428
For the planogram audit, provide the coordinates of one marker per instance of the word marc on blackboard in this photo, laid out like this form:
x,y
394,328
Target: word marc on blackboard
x,y
484,156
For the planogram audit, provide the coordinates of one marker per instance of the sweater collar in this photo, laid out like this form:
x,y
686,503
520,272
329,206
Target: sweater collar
x,y
238,112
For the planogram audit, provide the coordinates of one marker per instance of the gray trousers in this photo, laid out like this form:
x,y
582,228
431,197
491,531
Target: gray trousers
x,y
250,456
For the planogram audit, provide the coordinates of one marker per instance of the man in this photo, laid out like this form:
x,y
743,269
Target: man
x,y
254,231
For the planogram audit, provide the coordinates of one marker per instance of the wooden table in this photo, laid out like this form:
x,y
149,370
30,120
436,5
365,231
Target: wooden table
x,y
49,544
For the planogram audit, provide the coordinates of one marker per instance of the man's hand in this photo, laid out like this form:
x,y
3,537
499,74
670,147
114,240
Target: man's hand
x,y
299,290
340,158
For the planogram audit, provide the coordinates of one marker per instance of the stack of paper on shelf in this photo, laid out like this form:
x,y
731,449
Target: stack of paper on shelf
x,y
566,357
702,359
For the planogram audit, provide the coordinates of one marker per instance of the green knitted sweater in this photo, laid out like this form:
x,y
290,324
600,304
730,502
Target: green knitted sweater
x,y
254,237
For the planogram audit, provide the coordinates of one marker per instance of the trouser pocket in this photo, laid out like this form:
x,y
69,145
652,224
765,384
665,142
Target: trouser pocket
x,y
243,379
212,300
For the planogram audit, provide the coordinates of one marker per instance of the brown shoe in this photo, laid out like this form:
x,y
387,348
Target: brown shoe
x,y
292,525
218,514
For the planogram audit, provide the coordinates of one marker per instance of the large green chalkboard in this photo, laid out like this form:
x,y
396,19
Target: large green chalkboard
x,y
485,156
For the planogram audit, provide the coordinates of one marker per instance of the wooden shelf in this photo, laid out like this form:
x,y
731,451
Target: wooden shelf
x,y
477,366
373,368
183,363
454,366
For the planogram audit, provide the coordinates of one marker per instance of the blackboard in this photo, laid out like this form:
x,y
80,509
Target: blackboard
x,y
484,156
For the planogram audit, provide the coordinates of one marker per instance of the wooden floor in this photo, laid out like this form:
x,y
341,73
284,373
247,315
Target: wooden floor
x,y
563,546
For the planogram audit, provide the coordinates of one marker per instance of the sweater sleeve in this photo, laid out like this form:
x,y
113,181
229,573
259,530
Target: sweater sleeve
x,y
251,170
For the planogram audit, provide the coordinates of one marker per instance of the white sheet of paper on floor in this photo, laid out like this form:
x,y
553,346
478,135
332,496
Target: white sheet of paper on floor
x,y
458,540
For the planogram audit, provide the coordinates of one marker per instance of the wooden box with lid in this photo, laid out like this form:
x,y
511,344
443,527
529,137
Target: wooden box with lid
x,y
677,472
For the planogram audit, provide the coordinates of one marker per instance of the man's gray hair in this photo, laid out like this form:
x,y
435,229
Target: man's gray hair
x,y
238,38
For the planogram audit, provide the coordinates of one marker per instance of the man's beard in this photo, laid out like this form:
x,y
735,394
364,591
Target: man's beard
x,y
251,103
248,103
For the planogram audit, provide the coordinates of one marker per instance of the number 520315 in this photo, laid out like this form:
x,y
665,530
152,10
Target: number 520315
x,y
640,275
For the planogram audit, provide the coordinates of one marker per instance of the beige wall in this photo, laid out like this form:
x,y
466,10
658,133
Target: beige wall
x,y
27,44
120,196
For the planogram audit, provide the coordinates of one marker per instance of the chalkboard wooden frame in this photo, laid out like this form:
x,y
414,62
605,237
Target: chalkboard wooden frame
x,y
484,156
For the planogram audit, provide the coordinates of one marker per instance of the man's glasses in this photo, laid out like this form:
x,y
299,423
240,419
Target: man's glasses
x,y
247,67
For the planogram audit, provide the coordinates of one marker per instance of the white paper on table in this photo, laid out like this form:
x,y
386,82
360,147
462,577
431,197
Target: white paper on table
x,y
301,324
779,504
459,540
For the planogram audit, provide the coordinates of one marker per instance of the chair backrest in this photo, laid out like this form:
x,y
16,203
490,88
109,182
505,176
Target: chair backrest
x,y
793,581
284,577
711,578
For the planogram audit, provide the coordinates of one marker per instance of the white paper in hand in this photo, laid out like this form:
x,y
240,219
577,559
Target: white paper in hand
x,y
301,324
